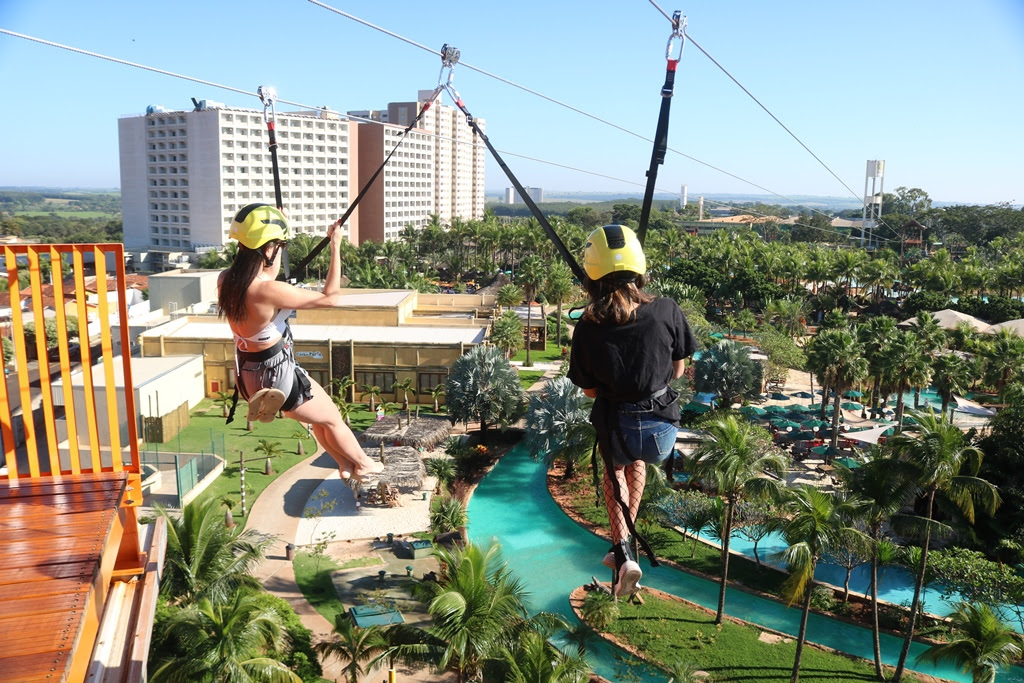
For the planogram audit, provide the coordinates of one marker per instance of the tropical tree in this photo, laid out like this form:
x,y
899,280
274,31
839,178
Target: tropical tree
x,y
531,276
342,385
904,359
204,557
269,449
447,514
813,523
558,286
874,336
374,392
223,642
507,333
836,357
345,409
476,608
945,467
599,609
727,371
732,461
442,469
352,646
483,386
981,644
436,393
558,425
788,315
883,484
509,295
405,386
534,659
950,375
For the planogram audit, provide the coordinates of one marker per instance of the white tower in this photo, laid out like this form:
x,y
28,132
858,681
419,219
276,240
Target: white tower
x,y
872,211
682,204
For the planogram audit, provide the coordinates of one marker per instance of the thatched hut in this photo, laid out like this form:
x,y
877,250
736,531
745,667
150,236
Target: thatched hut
x,y
424,432
403,467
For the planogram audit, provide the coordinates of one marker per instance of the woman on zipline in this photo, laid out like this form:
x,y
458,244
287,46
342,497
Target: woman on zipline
x,y
625,350
257,308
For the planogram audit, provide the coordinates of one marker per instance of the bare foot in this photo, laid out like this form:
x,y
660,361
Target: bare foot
x,y
346,472
373,468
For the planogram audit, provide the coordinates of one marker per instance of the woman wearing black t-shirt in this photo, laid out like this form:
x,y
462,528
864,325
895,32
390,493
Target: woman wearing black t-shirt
x,y
625,350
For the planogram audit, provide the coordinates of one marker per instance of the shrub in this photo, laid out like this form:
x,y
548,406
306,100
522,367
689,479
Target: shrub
x,y
599,610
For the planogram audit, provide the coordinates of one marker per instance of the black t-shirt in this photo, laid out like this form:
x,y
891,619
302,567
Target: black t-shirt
x,y
629,362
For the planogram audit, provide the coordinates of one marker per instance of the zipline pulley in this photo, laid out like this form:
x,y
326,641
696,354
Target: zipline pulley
x,y
678,33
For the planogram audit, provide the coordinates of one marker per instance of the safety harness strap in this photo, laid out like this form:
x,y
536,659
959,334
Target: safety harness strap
x,y
661,133
267,95
301,267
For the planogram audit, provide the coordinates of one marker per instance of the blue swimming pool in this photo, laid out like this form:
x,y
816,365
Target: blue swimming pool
x,y
552,555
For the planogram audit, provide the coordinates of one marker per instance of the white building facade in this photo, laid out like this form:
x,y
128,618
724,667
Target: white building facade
x,y
184,174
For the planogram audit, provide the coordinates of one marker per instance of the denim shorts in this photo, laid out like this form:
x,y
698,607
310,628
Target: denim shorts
x,y
646,438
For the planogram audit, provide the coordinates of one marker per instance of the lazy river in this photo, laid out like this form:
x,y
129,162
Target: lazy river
x,y
552,555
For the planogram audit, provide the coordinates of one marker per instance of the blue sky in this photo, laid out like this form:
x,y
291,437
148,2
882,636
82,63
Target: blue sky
x,y
934,88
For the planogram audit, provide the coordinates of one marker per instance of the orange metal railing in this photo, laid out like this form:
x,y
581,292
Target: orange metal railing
x,y
66,417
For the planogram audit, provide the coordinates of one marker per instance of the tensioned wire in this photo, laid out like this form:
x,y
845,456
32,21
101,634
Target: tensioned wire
x,y
582,112
301,105
767,111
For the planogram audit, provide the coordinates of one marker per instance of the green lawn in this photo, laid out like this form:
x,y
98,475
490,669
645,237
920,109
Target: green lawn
x,y
552,354
527,378
317,585
669,631
208,433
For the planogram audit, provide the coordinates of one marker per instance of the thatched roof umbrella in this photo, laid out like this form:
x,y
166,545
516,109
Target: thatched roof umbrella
x,y
402,467
426,433
385,430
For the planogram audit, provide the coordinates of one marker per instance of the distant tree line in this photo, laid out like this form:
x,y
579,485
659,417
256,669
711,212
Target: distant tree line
x,y
63,229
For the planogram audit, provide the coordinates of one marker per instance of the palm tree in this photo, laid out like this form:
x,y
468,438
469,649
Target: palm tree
x,y
732,459
205,558
223,400
788,315
874,336
509,295
436,393
475,607
507,333
981,643
557,287
225,642
405,386
442,469
903,360
342,385
374,392
534,659
531,276
447,514
884,484
950,375
946,467
483,386
838,360
814,522
599,609
345,409
727,370
353,646
558,425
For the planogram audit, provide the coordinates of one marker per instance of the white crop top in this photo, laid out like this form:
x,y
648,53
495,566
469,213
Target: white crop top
x,y
273,331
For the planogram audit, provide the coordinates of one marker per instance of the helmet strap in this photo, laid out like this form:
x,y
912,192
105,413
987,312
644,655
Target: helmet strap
x,y
269,260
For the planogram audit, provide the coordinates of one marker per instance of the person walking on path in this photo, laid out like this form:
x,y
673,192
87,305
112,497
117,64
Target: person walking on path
x,y
626,349
257,308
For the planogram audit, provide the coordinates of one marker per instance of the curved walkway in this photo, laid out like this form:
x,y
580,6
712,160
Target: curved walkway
x,y
277,514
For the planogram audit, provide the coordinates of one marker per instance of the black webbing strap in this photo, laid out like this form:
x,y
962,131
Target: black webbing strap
x,y
534,209
267,96
301,266
660,147
661,133
234,403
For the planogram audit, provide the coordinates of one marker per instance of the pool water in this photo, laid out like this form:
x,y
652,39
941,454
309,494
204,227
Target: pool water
x,y
552,555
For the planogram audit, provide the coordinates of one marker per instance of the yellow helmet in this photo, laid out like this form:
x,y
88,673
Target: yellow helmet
x,y
613,249
256,224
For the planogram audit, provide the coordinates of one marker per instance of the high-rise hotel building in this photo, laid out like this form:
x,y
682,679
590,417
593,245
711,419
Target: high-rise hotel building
x,y
184,174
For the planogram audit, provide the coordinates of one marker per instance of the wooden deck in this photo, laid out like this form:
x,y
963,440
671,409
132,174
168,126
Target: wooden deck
x,y
59,541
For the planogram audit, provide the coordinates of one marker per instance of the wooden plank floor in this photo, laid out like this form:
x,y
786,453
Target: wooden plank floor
x,y
53,532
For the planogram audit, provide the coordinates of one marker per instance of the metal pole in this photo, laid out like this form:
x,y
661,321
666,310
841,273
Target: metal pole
x,y
177,479
241,470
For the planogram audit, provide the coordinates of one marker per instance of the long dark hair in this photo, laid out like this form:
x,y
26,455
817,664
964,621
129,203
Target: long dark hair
x,y
243,270
612,297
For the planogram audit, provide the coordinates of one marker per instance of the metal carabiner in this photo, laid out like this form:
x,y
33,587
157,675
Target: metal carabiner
x,y
678,31
449,58
267,96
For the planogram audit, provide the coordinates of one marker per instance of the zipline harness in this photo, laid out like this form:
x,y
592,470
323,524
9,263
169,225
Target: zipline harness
x,y
267,96
449,58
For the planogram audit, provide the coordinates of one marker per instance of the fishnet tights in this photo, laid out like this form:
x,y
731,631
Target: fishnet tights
x,y
631,486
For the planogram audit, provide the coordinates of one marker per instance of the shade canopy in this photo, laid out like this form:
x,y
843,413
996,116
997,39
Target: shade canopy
x,y
852,393
851,405
797,408
847,462
814,424
827,451
776,410
694,407
802,394
779,396
752,410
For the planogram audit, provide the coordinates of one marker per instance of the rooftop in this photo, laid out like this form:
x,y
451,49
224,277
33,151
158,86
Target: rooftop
x,y
404,334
